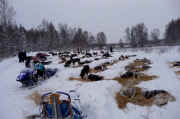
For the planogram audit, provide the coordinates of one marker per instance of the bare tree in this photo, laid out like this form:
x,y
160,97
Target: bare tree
x,y
137,35
121,44
92,39
7,13
155,33
128,34
101,39
141,34
172,32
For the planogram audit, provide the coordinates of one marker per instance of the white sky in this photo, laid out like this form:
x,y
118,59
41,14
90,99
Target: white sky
x,y
110,16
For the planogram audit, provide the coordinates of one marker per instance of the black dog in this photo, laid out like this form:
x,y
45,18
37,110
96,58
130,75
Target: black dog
x,y
106,55
64,55
106,63
129,75
85,62
53,53
100,68
95,53
68,63
84,71
132,55
75,60
22,56
73,55
97,59
27,61
150,94
93,77
88,54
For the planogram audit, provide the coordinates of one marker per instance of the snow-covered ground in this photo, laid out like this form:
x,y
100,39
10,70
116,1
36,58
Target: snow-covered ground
x,y
97,98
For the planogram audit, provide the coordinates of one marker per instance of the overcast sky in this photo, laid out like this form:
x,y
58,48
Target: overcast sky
x,y
110,16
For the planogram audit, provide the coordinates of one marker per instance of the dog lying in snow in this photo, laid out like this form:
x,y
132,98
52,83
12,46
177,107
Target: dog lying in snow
x,y
95,53
53,53
150,94
132,55
72,61
145,60
93,77
161,97
63,60
100,68
75,60
106,55
68,63
102,52
85,62
122,57
73,55
106,63
97,59
64,55
129,74
84,74
88,55
128,92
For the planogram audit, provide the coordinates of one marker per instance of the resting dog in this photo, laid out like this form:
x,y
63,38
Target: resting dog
x,y
68,63
129,75
75,60
100,68
74,55
85,62
95,53
72,61
122,57
93,77
150,94
88,55
106,55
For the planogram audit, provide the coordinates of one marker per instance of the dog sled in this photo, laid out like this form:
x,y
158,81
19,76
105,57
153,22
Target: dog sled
x,y
59,105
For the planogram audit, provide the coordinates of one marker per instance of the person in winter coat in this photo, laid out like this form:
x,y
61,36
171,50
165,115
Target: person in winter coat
x,y
20,56
27,62
111,49
24,56
40,70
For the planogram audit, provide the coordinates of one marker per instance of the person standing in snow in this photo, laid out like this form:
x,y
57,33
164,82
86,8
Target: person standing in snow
x,y
20,56
24,56
40,70
111,49
28,61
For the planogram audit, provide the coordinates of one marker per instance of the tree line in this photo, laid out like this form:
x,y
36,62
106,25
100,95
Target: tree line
x,y
138,35
46,36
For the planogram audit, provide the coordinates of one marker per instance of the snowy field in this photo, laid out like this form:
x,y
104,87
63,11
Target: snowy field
x,y
97,98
